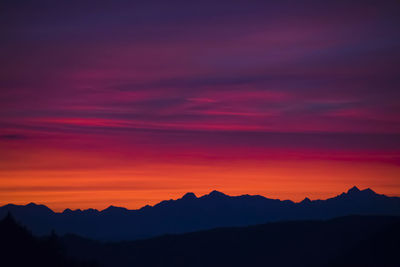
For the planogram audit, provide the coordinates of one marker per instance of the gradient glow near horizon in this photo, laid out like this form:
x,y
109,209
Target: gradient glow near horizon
x,y
128,103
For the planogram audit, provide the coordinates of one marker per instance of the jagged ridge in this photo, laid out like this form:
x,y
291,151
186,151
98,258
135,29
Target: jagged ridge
x,y
192,213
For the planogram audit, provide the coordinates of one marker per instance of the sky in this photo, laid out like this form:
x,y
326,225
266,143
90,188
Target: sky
x,y
128,103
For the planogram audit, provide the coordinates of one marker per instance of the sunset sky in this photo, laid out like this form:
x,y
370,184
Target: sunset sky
x,y
127,103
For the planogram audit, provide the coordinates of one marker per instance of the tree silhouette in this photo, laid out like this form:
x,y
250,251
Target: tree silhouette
x,y
18,247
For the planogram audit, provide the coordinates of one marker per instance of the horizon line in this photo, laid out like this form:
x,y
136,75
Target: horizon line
x,y
193,195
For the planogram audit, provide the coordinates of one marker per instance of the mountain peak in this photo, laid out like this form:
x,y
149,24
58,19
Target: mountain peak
x,y
67,211
112,208
38,207
189,196
306,200
216,194
353,190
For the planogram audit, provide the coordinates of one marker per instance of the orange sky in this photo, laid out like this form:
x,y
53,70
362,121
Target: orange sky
x,y
72,178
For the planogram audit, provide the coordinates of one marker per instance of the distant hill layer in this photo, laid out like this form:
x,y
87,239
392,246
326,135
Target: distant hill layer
x,y
191,213
346,241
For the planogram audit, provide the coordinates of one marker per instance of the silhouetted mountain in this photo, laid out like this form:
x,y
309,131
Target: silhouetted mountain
x,y
18,247
191,213
346,241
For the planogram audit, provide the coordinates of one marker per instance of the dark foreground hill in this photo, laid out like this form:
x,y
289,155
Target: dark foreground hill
x,y
191,213
346,241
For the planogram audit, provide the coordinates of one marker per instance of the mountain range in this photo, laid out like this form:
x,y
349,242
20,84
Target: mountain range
x,y
191,213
